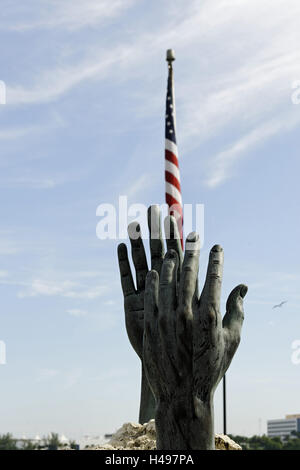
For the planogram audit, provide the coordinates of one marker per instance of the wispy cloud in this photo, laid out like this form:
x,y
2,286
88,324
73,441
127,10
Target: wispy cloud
x,y
51,84
12,134
76,312
221,166
135,188
15,133
31,182
70,289
68,14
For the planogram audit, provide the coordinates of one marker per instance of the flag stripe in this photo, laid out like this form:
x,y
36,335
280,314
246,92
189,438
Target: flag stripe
x,y
170,178
173,191
169,145
169,166
172,203
171,158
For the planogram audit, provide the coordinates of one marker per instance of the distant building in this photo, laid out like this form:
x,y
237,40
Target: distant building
x,y
283,427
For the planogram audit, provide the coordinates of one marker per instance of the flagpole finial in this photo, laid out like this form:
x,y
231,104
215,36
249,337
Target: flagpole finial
x,y
170,56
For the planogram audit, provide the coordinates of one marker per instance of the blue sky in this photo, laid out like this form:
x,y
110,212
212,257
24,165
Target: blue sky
x,y
83,124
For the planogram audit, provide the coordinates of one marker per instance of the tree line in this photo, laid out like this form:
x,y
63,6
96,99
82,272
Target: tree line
x,y
264,442
51,442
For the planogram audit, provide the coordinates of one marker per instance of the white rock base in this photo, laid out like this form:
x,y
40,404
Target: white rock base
x,y
132,436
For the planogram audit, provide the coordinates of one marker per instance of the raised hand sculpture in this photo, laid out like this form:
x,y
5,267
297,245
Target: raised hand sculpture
x,y
134,296
187,346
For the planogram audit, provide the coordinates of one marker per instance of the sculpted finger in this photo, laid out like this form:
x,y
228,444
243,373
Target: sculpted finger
x,y
167,290
125,271
188,280
173,237
138,255
156,241
234,317
167,313
151,303
213,283
189,274
151,343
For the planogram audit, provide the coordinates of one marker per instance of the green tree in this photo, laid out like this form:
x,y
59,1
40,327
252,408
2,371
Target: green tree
x,y
267,443
7,442
292,444
52,441
73,444
28,445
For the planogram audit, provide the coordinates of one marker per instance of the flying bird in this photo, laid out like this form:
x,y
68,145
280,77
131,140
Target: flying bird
x,y
280,305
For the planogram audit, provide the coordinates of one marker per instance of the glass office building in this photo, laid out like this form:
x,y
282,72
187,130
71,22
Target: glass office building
x,y
283,427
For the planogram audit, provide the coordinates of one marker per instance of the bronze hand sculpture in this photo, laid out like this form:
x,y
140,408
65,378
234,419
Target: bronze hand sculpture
x,y
187,346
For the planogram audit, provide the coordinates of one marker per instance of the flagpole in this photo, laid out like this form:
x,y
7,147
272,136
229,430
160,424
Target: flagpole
x,y
224,406
172,175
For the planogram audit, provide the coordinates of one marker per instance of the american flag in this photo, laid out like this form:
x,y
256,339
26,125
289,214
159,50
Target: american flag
x,y
172,175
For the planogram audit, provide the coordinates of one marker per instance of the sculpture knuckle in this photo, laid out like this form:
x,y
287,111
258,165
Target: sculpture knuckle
x,y
211,315
187,269
185,304
185,313
213,277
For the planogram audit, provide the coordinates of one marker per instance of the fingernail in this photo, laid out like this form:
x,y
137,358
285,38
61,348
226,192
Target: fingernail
x,y
192,237
216,248
133,225
243,291
122,248
134,231
152,275
171,254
